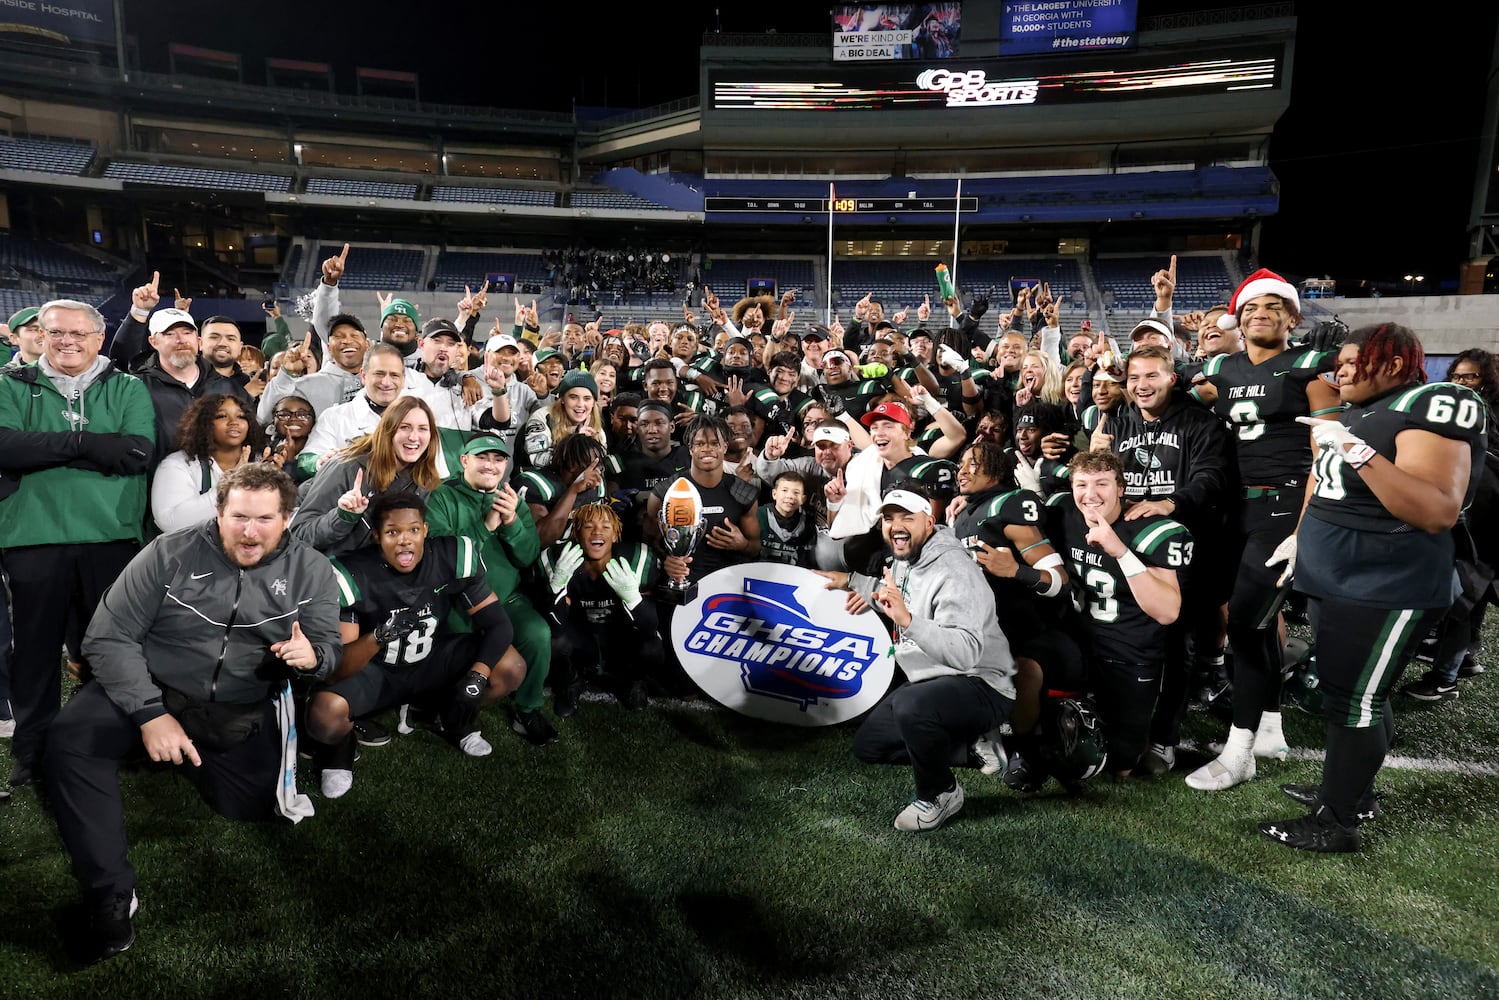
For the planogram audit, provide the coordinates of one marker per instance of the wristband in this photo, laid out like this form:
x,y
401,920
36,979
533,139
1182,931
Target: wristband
x,y
834,504
1130,564
1359,455
1028,575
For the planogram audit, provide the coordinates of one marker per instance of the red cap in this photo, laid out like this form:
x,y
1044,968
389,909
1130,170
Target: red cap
x,y
887,411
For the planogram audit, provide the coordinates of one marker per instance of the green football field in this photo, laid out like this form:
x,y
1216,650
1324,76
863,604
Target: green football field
x,y
685,851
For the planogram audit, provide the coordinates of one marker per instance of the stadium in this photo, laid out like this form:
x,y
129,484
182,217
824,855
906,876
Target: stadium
x,y
1069,148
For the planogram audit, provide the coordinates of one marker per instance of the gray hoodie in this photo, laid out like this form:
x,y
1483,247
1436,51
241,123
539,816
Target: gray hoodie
x,y
954,630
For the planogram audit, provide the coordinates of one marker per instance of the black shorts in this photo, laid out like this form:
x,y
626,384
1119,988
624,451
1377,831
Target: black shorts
x,y
1061,661
380,686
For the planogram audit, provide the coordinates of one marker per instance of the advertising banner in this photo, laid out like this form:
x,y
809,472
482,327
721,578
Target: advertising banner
x,y
1029,27
771,642
896,31
87,21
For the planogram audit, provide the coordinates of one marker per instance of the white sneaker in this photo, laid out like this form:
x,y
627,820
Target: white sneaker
x,y
1269,741
336,783
921,815
475,745
1234,766
988,749
402,725
7,728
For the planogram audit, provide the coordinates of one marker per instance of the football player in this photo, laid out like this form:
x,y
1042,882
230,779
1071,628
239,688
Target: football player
x,y
395,597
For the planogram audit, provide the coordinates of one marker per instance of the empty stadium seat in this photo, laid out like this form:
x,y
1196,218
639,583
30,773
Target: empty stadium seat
x,y
195,177
360,189
45,156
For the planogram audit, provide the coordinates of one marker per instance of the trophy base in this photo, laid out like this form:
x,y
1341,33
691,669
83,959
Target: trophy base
x,y
675,597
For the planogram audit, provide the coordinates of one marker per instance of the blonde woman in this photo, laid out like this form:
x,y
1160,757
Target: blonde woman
x,y
1040,378
576,410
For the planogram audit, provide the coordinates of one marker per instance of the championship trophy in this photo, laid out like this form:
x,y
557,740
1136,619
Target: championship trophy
x,y
682,528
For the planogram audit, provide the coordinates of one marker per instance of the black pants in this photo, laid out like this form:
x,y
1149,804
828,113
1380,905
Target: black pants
x,y
622,653
1265,523
430,684
1125,696
930,725
49,582
83,754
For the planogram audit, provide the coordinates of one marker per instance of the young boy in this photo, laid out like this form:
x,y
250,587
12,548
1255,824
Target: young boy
x,y
788,534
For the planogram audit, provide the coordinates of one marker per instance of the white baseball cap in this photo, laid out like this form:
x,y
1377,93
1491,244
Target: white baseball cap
x,y
164,319
499,342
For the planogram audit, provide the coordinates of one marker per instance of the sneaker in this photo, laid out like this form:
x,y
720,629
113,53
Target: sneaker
x,y
921,816
7,728
534,727
21,775
336,782
1269,741
1024,776
990,753
1206,696
1316,831
1430,688
1470,667
565,701
1311,796
475,745
1159,759
114,931
370,733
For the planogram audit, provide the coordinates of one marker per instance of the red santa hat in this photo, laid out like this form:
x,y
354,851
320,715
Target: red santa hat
x,y
1261,282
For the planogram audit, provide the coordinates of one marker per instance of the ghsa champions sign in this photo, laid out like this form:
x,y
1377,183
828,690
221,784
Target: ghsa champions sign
x,y
771,642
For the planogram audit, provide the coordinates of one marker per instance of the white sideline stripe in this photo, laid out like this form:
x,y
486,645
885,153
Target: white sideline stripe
x,y
1443,765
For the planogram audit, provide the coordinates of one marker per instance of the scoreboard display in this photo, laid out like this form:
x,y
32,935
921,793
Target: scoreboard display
x,y
818,206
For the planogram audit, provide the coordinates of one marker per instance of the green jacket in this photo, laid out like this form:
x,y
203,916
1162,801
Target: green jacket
x,y
73,485
455,508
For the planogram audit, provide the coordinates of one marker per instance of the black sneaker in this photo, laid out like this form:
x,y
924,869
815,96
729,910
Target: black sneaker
x,y
1316,831
1470,667
534,727
633,698
370,733
21,775
1430,688
1022,776
1311,796
565,700
113,929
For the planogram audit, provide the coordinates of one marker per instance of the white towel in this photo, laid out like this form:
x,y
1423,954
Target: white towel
x,y
289,802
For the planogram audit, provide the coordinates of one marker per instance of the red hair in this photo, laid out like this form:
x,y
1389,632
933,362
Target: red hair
x,y
1379,347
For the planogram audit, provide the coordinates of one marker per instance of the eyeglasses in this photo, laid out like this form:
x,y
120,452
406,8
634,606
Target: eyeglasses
x,y
1466,377
291,414
71,334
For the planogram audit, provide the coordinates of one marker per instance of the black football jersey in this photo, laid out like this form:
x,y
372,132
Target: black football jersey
x,y
791,544
1349,546
591,600
372,592
543,488
639,471
1022,612
1117,627
731,499
1262,402
779,414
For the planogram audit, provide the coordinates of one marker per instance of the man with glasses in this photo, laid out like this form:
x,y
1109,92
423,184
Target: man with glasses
x,y
76,438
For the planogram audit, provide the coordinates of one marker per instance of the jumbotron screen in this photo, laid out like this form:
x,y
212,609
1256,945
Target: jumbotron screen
x,y
916,85
1033,27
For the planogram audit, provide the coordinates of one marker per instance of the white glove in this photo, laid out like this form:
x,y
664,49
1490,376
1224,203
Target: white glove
x,y
1028,477
1285,552
623,581
948,356
567,564
1331,435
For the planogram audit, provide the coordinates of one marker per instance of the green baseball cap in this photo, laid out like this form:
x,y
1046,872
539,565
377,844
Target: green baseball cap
x,y
486,442
401,307
22,317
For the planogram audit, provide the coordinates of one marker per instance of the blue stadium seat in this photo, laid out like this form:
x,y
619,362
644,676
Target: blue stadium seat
x,y
45,156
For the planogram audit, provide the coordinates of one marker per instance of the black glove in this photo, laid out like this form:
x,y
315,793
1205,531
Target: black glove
x,y
399,625
979,307
112,454
1328,335
471,688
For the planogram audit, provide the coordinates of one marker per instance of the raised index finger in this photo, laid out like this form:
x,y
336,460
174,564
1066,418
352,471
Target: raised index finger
x,y
359,480
345,255
155,280
1171,271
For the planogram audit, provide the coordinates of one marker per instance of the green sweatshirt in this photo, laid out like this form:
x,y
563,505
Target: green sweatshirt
x,y
455,508
62,497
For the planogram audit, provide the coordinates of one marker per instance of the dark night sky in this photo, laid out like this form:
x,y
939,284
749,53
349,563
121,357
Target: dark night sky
x,y
1376,156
